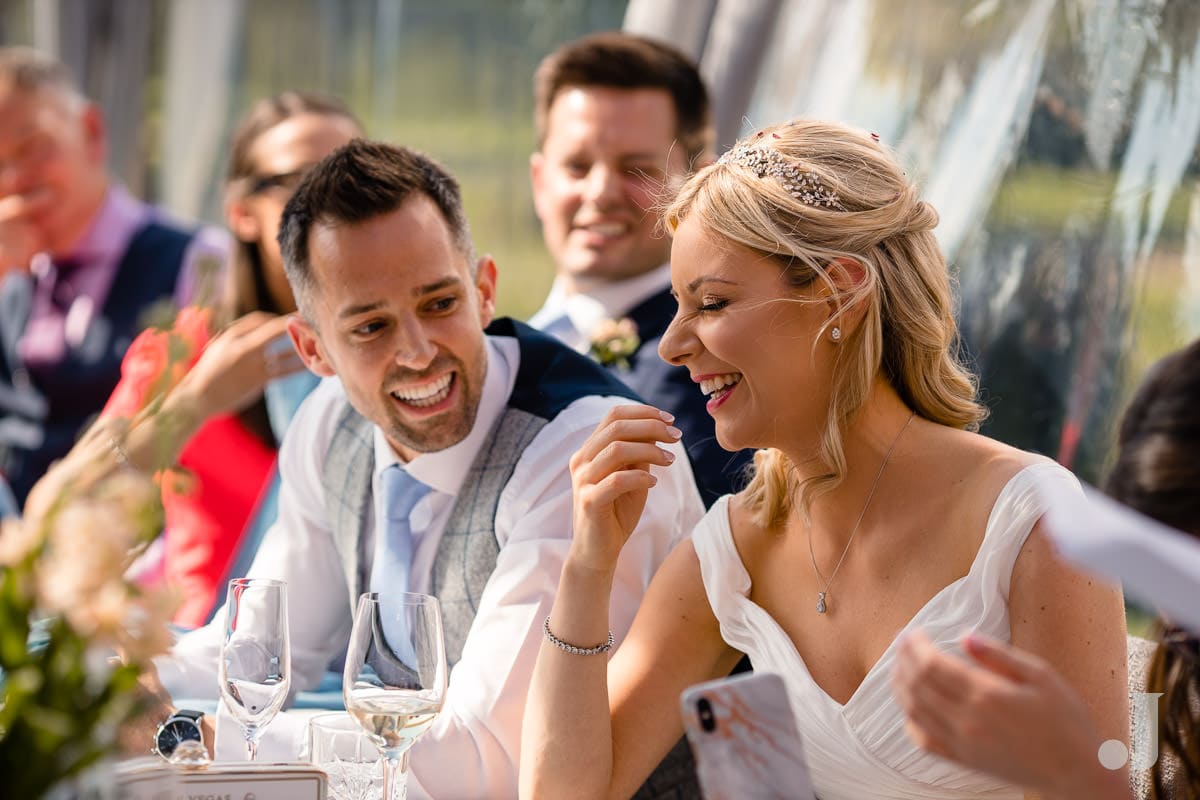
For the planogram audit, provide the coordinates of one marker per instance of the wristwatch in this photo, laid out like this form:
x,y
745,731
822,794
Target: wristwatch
x,y
183,725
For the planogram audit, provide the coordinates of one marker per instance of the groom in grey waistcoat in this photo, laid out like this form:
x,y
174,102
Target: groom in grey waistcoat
x,y
434,458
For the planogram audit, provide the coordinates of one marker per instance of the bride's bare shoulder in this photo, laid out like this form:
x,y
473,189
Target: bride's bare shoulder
x,y
745,525
975,460
742,514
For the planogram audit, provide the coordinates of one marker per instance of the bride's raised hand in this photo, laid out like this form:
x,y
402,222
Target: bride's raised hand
x,y
610,477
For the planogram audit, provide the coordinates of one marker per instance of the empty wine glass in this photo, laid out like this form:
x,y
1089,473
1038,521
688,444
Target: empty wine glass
x,y
395,679
256,663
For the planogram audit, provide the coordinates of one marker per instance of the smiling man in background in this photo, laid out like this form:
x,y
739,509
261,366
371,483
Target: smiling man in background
x,y
621,120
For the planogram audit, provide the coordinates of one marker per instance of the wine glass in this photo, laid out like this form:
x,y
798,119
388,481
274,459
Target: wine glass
x,y
256,663
395,679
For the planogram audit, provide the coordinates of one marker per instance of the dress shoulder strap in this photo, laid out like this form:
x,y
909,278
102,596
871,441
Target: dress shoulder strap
x,y
1018,507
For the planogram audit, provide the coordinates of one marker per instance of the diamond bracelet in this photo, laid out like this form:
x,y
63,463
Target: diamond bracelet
x,y
572,649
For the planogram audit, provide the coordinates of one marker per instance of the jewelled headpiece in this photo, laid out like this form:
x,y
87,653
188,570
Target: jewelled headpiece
x,y
765,161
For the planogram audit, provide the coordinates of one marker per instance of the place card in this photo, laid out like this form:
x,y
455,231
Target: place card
x,y
144,780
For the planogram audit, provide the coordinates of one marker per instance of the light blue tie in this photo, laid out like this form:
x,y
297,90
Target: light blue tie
x,y
401,493
391,571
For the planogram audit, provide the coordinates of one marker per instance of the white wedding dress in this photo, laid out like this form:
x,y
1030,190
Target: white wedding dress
x,y
860,750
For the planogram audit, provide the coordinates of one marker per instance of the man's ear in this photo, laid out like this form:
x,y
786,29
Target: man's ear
x,y
485,284
537,179
308,345
95,132
242,222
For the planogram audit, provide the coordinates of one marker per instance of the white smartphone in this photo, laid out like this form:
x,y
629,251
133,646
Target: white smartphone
x,y
744,739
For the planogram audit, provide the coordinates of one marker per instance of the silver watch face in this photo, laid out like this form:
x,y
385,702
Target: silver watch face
x,y
174,731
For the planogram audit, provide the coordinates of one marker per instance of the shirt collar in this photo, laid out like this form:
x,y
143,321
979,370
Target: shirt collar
x,y
108,235
445,470
603,301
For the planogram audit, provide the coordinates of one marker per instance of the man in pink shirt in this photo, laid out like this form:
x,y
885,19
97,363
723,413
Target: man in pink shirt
x,y
83,265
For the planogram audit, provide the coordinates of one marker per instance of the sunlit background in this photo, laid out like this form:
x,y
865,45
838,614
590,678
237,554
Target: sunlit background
x,y
450,77
1057,138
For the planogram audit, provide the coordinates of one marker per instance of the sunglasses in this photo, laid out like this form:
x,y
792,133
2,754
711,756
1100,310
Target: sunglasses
x,y
287,181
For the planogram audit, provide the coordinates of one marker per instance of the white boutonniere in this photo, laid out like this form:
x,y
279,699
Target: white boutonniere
x,y
614,341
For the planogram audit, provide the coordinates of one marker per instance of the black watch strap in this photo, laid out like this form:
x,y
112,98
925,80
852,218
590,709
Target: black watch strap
x,y
191,714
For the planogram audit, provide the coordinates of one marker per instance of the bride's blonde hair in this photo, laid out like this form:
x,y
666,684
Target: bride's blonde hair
x,y
876,219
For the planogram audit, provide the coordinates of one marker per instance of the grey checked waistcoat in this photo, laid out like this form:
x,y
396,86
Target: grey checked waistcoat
x,y
466,554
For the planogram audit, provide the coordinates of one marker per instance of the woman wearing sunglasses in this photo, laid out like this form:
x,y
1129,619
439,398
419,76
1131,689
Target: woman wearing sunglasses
x,y
237,401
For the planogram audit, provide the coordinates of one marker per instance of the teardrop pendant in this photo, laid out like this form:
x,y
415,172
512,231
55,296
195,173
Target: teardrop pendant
x,y
820,602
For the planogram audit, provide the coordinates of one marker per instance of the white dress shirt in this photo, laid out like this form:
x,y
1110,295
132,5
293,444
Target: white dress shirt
x,y
587,309
473,748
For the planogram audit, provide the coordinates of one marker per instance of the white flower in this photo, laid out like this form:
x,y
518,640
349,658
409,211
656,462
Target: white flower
x,y
614,341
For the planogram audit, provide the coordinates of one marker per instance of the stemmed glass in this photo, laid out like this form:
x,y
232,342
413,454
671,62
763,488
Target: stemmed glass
x,y
395,679
256,662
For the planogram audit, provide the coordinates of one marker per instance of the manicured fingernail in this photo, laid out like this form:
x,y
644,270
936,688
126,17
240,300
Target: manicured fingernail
x,y
669,455
674,432
667,416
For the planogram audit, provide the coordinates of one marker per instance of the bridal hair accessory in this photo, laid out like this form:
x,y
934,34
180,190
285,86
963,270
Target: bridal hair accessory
x,y
821,595
765,161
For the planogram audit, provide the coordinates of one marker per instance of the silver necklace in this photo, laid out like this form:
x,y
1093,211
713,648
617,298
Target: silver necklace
x,y
822,607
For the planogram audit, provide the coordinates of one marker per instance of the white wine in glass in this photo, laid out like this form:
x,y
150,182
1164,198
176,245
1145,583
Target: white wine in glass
x,y
256,664
395,679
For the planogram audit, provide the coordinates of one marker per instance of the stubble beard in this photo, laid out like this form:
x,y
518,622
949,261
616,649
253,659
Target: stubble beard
x,y
450,427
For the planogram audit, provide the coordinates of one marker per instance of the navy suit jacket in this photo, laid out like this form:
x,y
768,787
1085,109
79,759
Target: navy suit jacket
x,y
671,388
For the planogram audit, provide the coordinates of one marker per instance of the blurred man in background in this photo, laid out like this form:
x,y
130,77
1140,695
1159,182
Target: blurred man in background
x,y
82,264
621,120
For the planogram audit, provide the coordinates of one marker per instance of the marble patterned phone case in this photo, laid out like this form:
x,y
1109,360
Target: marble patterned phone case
x,y
744,738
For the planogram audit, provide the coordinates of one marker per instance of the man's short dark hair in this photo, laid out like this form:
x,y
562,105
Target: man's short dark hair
x,y
356,183
624,61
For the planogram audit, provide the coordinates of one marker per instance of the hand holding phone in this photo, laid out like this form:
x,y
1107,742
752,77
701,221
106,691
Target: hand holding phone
x,y
744,738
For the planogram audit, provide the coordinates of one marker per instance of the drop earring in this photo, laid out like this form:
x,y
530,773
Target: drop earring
x,y
836,334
